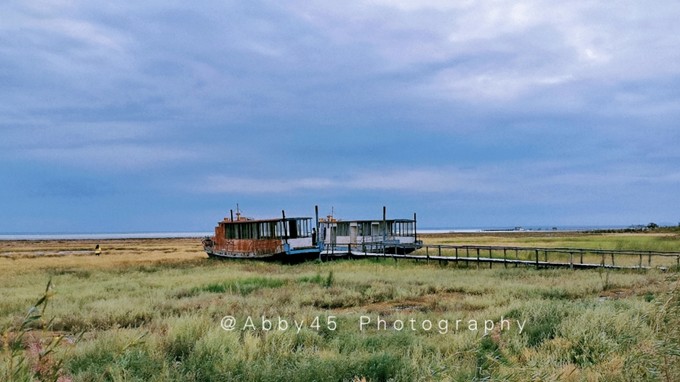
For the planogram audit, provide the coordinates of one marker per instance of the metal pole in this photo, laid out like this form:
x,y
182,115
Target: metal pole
x,y
415,228
316,227
285,226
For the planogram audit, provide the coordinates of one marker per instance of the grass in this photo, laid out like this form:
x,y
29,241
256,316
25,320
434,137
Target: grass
x,y
152,311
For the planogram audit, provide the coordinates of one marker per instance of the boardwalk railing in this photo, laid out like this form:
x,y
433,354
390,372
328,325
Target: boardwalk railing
x,y
540,257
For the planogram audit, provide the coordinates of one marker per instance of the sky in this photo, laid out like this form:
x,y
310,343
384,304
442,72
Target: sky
x,y
164,115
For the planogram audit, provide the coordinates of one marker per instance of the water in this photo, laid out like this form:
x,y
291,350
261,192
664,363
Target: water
x,y
169,235
103,236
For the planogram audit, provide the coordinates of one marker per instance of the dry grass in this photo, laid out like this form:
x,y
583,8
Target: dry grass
x,y
151,310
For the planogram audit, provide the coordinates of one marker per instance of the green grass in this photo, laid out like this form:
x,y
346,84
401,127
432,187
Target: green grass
x,y
161,321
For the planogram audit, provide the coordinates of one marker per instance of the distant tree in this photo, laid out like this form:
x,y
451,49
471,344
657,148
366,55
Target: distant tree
x,y
652,225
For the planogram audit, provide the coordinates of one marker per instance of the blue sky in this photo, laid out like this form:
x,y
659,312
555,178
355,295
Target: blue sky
x,y
162,115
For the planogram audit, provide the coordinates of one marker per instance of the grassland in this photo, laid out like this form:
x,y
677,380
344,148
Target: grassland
x,y
152,310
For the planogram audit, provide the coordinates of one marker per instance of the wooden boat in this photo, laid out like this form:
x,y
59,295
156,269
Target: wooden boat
x,y
244,238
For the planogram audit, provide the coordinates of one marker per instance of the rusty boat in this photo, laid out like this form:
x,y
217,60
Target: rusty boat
x,y
277,238
292,238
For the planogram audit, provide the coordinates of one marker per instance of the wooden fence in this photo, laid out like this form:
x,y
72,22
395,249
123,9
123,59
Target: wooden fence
x,y
574,258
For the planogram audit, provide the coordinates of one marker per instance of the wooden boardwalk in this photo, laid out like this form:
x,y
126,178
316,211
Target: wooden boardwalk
x,y
539,257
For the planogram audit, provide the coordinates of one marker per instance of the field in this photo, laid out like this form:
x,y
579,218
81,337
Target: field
x,y
159,309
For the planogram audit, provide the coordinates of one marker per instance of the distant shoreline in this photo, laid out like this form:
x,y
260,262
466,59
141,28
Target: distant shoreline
x,y
104,236
172,235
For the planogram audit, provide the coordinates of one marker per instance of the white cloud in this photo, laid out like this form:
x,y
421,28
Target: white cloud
x,y
427,180
504,50
127,157
529,182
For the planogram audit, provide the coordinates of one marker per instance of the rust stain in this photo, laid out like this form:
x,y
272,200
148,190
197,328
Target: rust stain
x,y
245,246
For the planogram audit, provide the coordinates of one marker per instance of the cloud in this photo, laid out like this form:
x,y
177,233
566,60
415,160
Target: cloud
x,y
130,157
531,183
503,51
454,104
427,180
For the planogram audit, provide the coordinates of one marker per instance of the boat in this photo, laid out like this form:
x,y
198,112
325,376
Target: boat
x,y
388,236
289,238
276,238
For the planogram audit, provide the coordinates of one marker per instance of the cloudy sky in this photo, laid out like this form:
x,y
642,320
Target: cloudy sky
x,y
162,115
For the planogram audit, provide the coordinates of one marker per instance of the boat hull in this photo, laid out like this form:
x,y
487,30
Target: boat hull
x,y
310,253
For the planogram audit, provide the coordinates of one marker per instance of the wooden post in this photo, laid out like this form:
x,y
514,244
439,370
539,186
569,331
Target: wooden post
x,y
516,257
477,257
571,260
467,256
581,256
602,259
640,265
649,261
536,258
427,253
613,264
505,257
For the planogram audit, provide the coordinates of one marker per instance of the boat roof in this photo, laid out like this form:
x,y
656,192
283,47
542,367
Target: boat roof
x,y
248,220
368,221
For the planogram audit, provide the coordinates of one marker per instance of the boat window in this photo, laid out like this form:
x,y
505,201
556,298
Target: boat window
x,y
343,229
408,229
230,231
366,229
265,230
292,229
375,229
280,229
303,228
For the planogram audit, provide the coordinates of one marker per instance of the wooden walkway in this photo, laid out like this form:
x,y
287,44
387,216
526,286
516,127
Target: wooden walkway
x,y
539,257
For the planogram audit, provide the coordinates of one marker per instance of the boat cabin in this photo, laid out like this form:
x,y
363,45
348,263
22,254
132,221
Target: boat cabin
x,y
260,238
394,235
